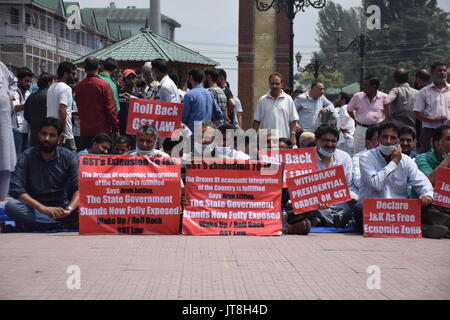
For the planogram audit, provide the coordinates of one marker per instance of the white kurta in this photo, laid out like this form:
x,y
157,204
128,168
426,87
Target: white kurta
x,y
8,84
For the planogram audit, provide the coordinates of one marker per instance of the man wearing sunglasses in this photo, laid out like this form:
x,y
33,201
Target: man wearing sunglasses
x,y
60,99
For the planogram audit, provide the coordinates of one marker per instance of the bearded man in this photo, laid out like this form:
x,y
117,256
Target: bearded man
x,y
44,178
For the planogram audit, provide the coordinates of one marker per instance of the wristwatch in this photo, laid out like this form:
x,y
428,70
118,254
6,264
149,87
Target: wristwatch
x,y
69,208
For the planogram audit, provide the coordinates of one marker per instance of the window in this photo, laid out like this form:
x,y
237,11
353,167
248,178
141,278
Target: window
x,y
14,15
28,19
42,22
49,25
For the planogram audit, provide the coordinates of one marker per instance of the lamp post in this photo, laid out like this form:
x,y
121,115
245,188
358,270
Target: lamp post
x,y
290,7
361,44
316,66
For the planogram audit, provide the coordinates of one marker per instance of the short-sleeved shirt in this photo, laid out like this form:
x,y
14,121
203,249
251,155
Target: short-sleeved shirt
x,y
309,111
18,119
402,100
276,113
60,93
220,97
368,112
433,102
51,183
167,91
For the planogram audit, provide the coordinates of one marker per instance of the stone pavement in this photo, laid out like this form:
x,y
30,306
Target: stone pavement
x,y
317,266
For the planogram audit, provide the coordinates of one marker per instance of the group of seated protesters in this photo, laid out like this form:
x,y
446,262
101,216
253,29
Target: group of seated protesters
x,y
44,184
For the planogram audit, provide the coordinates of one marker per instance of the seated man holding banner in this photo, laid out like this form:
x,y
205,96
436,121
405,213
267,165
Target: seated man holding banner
x,y
328,156
429,163
45,177
386,174
146,138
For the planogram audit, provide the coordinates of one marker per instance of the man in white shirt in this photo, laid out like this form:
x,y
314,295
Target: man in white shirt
x,y
226,149
371,143
386,173
60,100
311,105
276,110
345,123
19,124
167,90
329,156
432,105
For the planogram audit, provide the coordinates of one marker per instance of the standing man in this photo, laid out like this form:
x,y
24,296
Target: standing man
x,y
400,101
109,68
231,104
345,123
433,104
276,110
60,99
167,90
152,84
386,173
19,124
366,108
36,107
210,83
8,84
422,80
311,105
96,105
45,177
199,105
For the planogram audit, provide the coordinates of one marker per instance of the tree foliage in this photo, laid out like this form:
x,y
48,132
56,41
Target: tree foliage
x,y
419,35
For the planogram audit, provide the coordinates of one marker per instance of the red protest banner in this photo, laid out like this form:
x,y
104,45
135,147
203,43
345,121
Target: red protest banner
x,y
232,198
297,161
325,186
164,116
441,195
392,218
129,195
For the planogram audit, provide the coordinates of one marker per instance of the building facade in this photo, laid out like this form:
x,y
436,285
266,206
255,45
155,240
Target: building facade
x,y
36,33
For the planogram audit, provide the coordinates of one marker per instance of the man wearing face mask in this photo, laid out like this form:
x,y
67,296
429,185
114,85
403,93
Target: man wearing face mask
x,y
429,163
146,138
329,156
386,173
44,177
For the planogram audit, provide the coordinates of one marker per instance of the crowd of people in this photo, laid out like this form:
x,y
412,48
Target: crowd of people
x,y
389,144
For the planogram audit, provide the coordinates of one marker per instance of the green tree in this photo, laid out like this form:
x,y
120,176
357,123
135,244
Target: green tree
x,y
419,35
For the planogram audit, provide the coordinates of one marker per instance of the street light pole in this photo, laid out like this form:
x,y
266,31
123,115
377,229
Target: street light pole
x,y
361,44
290,8
316,66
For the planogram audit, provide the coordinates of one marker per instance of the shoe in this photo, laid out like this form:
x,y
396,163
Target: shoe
x,y
435,231
302,227
338,221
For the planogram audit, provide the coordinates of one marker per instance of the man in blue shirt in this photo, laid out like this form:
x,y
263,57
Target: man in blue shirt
x,y
45,177
199,103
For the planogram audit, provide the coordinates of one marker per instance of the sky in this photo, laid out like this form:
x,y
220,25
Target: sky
x,y
211,27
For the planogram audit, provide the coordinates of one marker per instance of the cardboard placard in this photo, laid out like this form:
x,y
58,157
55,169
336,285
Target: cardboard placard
x,y
441,195
164,116
392,218
232,198
325,186
129,195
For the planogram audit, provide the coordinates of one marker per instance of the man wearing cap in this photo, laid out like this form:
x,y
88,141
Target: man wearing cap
x,y
96,105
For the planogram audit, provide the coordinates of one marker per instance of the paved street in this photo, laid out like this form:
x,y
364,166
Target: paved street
x,y
318,266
